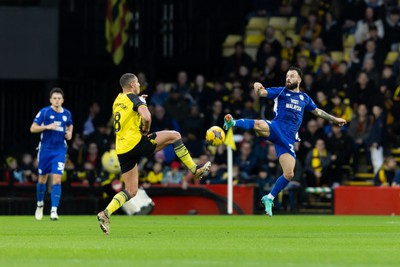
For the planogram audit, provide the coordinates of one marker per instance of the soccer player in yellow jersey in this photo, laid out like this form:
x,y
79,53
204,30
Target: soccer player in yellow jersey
x,y
132,122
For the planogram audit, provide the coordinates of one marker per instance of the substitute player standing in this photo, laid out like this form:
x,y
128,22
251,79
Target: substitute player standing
x,y
283,129
55,124
132,122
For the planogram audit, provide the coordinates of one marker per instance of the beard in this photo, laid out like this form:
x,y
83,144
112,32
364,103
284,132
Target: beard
x,y
292,86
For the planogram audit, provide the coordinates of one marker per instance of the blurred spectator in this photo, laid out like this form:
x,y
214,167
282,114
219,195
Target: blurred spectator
x,y
162,121
269,71
194,123
13,173
386,175
160,96
359,130
174,175
176,106
264,51
392,30
270,46
201,93
331,33
92,156
342,79
248,110
216,117
77,151
316,165
155,176
309,137
103,135
324,80
311,29
238,59
214,176
28,169
323,102
362,28
288,50
341,108
247,162
182,86
308,85
144,85
376,137
363,91
371,71
369,50
88,126
302,63
235,104
340,145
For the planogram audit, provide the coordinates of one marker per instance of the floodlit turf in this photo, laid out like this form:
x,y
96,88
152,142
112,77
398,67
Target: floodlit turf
x,y
201,241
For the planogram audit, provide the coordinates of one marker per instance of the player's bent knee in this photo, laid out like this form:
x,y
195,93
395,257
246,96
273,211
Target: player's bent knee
x,y
175,135
260,125
288,175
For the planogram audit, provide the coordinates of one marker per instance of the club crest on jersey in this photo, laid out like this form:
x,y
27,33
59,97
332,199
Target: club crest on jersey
x,y
301,97
64,118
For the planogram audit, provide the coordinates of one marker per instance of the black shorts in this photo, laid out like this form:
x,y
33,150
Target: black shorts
x,y
145,148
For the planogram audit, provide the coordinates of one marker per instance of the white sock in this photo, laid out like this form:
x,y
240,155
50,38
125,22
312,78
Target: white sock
x,y
270,196
40,203
53,209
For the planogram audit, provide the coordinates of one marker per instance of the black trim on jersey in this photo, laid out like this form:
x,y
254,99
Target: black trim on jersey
x,y
136,101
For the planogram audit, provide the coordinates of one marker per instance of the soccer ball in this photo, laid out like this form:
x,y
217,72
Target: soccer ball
x,y
215,136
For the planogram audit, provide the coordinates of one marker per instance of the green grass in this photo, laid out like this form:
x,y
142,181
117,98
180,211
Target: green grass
x,y
201,241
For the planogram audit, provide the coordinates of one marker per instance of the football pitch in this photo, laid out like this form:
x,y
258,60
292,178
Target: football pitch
x,y
282,240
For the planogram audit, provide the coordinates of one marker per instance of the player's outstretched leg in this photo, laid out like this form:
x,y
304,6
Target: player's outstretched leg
x,y
268,204
245,124
228,122
104,222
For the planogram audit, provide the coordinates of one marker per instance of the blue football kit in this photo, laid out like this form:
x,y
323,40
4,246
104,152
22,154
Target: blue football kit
x,y
52,146
289,108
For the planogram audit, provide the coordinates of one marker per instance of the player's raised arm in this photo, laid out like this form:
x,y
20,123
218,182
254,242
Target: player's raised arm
x,y
320,113
146,119
260,90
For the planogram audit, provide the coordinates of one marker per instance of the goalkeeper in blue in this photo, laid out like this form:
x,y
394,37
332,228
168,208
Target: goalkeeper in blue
x,y
289,106
55,125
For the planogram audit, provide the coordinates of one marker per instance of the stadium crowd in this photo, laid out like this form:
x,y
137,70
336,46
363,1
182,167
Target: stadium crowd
x,y
361,89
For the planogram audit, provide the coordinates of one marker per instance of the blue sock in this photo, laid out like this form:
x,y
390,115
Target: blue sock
x,y
40,190
55,195
280,184
244,124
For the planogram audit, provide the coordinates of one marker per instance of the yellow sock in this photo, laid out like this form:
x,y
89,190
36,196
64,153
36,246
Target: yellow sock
x,y
182,153
117,201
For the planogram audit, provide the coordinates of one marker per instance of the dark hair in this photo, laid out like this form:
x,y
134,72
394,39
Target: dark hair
x,y
298,70
126,79
56,90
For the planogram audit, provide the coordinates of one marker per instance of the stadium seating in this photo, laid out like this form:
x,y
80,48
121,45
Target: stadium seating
x,y
256,25
229,43
252,43
279,23
349,41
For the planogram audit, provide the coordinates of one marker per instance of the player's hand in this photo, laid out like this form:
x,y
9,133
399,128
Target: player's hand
x,y
51,126
68,135
340,121
258,88
143,98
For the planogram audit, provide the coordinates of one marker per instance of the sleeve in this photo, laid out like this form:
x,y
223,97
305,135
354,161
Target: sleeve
x,y
39,117
137,101
310,105
274,92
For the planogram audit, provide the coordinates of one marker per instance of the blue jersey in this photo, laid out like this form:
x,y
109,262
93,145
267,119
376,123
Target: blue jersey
x,y
53,139
289,108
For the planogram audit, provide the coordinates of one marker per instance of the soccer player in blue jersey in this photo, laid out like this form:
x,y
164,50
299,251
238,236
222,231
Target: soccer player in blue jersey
x,y
55,125
289,107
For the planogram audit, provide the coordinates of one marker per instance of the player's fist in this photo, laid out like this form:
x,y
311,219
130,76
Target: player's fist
x,y
51,126
258,86
340,121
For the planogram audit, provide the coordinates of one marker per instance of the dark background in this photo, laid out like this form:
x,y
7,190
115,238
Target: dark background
x,y
67,49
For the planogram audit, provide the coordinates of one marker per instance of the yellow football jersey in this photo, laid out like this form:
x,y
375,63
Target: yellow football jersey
x,y
127,121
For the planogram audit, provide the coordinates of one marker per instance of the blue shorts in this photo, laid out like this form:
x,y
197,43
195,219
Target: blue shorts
x,y
283,142
51,161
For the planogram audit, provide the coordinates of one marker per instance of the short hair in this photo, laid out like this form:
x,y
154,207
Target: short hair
x,y
56,90
126,79
298,70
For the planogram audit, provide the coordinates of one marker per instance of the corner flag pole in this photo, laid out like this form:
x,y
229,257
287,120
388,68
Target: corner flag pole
x,y
230,182
230,145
